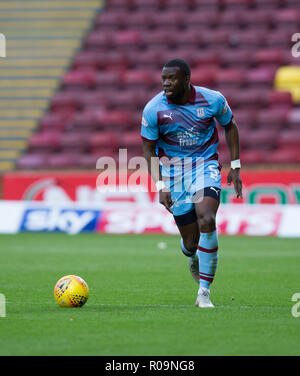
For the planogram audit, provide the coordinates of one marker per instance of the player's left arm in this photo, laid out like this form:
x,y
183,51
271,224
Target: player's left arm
x,y
232,139
226,120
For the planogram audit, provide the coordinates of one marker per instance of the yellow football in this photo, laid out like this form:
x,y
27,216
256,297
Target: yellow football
x,y
71,291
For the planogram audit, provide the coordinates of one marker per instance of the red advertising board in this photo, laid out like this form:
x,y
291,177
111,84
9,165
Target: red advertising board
x,y
265,187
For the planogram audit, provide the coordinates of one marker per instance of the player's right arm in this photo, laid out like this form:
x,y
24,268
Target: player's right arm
x,y
154,170
150,135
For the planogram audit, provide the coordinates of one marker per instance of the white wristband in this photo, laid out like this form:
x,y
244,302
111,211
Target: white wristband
x,y
235,164
160,185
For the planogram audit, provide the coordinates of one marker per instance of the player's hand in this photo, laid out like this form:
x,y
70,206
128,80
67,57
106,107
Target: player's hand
x,y
234,176
165,199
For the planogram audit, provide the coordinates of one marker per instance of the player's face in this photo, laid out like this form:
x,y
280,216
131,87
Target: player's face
x,y
174,82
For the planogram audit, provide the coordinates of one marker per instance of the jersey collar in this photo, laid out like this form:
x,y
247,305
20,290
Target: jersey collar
x,y
191,98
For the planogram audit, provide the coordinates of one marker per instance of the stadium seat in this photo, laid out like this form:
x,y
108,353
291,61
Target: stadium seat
x,y
127,39
65,100
290,17
99,39
140,20
86,60
87,160
294,118
53,122
245,118
230,78
157,39
253,156
237,4
44,141
33,161
260,77
74,141
204,76
272,118
105,139
63,160
248,39
261,139
274,57
284,156
288,78
80,79
111,20
106,79
239,58
201,20
289,138
280,99
138,78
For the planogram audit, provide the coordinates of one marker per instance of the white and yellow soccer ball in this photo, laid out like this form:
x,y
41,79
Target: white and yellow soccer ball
x,y
71,291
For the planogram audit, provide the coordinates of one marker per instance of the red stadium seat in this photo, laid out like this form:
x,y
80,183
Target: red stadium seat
x,y
147,5
279,38
236,4
261,139
202,19
245,118
290,17
87,160
237,58
74,141
32,161
112,20
230,78
280,99
157,39
188,37
248,39
170,19
63,160
207,58
44,141
140,20
294,118
273,57
108,78
131,138
79,78
105,139
53,122
284,155
113,120
99,39
204,77
127,39
253,156
216,39
260,77
138,77
257,18
86,59
273,119
65,100
289,138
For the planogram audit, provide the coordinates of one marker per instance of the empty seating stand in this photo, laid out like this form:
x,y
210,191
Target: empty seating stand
x,y
234,46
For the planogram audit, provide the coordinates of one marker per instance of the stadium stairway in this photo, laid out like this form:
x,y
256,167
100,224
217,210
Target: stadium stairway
x,y
41,40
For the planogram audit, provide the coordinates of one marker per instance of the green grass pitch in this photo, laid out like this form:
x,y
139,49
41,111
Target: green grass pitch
x,y
142,297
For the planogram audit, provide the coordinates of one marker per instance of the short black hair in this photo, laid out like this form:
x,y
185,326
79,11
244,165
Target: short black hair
x,y
181,64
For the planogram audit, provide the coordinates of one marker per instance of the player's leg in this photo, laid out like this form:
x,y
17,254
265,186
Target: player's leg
x,y
189,230
206,209
207,249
